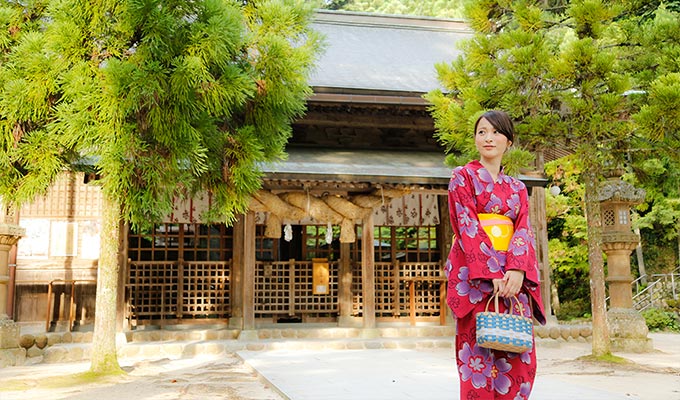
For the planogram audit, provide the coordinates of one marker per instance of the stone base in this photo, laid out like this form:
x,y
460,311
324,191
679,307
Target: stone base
x,y
235,323
349,322
628,345
369,333
248,335
628,331
12,357
10,352
9,333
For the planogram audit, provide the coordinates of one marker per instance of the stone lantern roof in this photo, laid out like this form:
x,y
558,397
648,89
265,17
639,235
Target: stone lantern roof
x,y
618,191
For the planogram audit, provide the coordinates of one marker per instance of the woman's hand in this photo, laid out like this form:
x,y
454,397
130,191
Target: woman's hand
x,y
510,285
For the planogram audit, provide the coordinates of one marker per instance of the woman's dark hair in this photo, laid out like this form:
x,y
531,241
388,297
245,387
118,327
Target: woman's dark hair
x,y
501,121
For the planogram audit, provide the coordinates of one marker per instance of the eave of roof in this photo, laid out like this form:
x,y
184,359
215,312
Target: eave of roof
x,y
373,166
390,167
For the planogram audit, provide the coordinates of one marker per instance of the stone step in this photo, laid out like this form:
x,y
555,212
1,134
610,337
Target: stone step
x,y
300,332
178,343
150,350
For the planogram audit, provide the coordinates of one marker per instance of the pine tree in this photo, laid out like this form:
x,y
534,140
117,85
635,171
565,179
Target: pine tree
x,y
655,45
163,99
558,69
30,158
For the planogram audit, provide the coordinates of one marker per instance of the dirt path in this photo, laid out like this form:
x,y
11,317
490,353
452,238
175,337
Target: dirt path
x,y
199,378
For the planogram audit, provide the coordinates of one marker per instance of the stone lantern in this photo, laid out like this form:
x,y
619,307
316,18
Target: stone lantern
x,y
628,330
10,351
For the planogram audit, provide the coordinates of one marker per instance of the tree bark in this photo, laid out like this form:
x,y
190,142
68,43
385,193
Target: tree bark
x,y
601,344
104,358
641,260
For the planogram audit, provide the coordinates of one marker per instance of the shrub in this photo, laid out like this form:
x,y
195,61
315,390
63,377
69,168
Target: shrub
x,y
574,309
660,320
673,305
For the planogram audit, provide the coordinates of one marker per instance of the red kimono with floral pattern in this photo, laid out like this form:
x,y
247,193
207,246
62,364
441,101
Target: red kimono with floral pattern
x,y
472,264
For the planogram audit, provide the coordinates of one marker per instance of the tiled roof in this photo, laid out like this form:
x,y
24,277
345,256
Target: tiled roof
x,y
375,166
383,52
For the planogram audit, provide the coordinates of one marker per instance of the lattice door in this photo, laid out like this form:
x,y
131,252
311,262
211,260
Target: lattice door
x,y
427,290
152,290
205,291
165,290
286,288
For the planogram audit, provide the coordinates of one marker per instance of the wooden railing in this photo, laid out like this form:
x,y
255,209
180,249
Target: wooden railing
x,y
70,311
413,304
404,289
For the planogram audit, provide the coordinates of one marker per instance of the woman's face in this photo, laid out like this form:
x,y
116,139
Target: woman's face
x,y
490,143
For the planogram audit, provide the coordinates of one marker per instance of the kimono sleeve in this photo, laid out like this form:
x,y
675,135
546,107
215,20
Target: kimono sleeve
x,y
521,254
482,260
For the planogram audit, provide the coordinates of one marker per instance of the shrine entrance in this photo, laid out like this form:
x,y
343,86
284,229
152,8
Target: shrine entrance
x,y
182,274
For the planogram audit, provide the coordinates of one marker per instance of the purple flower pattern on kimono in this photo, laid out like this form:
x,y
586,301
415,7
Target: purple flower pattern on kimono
x,y
472,190
474,289
475,365
524,391
499,377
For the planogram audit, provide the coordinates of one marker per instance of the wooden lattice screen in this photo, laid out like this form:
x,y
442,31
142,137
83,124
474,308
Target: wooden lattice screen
x,y
392,290
286,288
166,290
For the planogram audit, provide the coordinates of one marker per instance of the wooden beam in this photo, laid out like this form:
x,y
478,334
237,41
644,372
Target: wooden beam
x,y
345,120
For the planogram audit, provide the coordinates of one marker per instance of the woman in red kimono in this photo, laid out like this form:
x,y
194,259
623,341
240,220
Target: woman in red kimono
x,y
476,270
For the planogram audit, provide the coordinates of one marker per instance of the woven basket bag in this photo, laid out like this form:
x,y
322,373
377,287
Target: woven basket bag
x,y
504,331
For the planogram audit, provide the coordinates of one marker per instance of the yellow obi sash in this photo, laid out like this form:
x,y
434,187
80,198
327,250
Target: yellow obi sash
x,y
499,228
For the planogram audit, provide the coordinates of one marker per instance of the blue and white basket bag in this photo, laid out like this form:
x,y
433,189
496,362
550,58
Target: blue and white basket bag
x,y
504,331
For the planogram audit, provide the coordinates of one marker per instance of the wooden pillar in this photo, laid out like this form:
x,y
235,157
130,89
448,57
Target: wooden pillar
x,y
445,229
345,285
236,278
243,275
249,271
539,224
445,235
368,273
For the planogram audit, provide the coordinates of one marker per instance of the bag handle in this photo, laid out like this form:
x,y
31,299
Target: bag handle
x,y
495,303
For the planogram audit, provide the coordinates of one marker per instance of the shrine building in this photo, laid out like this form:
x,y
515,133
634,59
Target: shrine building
x,y
352,230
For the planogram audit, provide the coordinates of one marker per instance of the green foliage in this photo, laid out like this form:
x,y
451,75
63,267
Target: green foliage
x,y
661,320
673,305
594,78
567,233
167,98
576,309
30,156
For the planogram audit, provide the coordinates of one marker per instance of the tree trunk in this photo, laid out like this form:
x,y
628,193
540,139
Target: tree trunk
x,y
640,259
601,343
678,260
554,298
104,358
